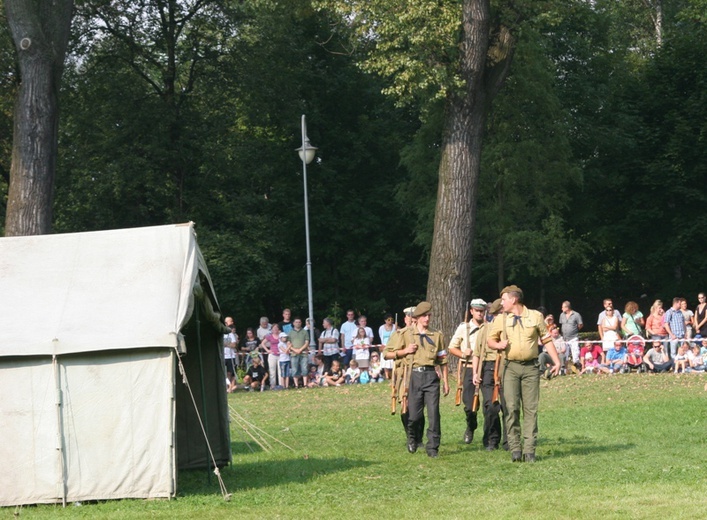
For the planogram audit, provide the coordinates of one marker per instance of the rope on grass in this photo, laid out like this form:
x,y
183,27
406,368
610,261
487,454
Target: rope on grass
x,y
252,430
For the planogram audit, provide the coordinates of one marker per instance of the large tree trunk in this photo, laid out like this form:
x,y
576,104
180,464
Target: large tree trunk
x,y
40,30
485,57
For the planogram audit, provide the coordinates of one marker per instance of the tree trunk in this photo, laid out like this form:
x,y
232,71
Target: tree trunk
x,y
40,30
484,61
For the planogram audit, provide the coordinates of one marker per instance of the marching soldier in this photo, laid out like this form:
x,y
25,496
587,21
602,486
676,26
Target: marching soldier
x,y
423,350
484,363
462,346
517,334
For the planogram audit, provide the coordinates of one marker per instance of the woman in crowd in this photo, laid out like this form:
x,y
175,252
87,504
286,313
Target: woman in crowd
x,y
385,331
362,353
270,343
701,316
688,316
329,343
632,321
249,345
610,323
654,324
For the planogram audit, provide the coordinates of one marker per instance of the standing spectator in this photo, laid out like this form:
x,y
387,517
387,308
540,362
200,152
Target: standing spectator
x,y
688,315
230,343
674,323
363,323
264,328
608,304
271,344
299,347
283,347
286,325
255,377
655,329
609,327
656,359
329,343
570,324
633,321
385,331
362,353
347,333
250,346
701,316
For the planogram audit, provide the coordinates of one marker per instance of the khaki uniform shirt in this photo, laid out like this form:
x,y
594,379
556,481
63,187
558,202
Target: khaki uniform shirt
x,y
523,333
430,351
481,347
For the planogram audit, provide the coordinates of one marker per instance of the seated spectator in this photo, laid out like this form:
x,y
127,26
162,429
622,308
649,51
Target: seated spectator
x,y
635,351
283,346
353,373
591,365
361,347
256,376
334,376
375,370
703,348
696,360
545,361
616,358
316,372
656,360
597,353
681,362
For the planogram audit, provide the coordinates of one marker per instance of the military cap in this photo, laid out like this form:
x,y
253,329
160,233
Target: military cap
x,y
495,306
512,288
421,309
478,303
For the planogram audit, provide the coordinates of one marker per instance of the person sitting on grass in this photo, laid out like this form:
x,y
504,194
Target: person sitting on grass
x,y
596,352
256,376
375,370
681,362
696,360
591,365
616,358
656,359
334,376
316,372
353,373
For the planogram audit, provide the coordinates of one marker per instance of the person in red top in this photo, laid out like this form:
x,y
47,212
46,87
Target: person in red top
x,y
595,350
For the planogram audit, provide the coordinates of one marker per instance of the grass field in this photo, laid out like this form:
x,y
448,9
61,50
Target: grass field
x,y
623,446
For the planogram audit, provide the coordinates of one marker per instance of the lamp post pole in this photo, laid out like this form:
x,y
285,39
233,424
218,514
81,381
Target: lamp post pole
x,y
306,153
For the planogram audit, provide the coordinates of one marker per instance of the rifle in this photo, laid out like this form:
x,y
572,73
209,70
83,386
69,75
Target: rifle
x,y
497,366
479,368
407,373
461,372
393,392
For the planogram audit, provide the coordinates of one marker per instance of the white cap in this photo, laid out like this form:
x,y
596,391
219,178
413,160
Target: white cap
x,y
478,303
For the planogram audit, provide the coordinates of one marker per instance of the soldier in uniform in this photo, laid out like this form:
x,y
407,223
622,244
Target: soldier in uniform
x,y
518,333
461,346
424,350
484,376
394,343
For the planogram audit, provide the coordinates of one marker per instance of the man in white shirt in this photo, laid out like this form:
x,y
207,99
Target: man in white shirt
x,y
347,333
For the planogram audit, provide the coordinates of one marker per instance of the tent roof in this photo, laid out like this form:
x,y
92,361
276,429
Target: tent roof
x,y
103,290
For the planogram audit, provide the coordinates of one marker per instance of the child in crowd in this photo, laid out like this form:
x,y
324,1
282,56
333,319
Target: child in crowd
x,y
591,365
352,373
316,372
334,376
361,345
375,370
681,359
696,360
284,347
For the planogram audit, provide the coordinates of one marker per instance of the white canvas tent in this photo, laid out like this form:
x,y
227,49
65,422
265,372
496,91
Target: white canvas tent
x,y
92,404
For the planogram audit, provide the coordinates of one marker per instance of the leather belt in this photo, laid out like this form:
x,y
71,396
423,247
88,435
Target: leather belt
x,y
427,368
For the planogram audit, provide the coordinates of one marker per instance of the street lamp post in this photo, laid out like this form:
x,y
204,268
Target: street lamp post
x,y
306,153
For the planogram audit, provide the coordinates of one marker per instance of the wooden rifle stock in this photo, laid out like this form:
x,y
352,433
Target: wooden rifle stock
x,y
461,372
496,379
404,397
393,393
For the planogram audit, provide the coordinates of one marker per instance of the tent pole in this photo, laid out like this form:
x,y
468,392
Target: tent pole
x,y
203,388
59,430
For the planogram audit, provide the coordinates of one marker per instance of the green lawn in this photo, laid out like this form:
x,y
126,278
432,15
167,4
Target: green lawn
x,y
622,446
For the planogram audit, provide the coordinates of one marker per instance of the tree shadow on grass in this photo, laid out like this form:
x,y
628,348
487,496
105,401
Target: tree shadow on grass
x,y
579,445
295,469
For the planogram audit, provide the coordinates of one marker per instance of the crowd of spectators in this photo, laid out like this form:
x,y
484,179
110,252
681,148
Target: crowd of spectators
x,y
283,354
